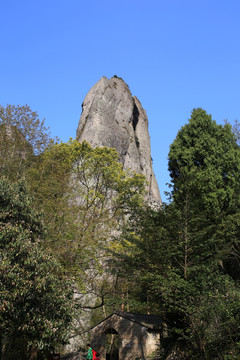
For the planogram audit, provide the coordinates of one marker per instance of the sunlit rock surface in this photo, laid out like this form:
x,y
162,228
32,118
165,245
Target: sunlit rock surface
x,y
112,117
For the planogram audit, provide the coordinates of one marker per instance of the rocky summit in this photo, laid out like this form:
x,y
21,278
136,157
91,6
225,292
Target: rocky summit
x,y
112,117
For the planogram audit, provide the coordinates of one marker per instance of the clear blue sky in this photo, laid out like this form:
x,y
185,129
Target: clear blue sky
x,y
175,55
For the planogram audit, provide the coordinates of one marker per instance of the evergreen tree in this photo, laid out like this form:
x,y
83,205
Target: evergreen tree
x,y
204,165
181,257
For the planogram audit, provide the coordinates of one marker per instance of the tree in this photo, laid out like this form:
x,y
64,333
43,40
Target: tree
x,y
36,303
235,129
85,195
204,164
186,248
22,136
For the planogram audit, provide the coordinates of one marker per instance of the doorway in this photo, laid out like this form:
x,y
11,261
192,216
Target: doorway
x,y
112,345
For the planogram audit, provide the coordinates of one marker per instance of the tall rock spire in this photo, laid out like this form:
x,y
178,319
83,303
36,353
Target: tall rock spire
x,y
112,117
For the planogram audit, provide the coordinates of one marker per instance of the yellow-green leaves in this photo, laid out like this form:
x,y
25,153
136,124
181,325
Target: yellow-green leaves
x,y
85,195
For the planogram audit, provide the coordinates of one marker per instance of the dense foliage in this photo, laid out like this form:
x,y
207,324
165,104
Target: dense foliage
x,y
36,304
185,258
84,193
180,261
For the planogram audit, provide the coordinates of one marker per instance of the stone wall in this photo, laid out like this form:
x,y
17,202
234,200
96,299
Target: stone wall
x,y
135,340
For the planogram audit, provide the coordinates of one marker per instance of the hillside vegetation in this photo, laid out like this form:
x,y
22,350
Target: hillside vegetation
x,y
77,235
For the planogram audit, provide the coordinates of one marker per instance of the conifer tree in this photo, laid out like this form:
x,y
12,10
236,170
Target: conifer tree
x,y
182,257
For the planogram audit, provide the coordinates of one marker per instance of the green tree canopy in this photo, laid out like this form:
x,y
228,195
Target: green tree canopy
x,y
85,195
83,191
22,135
36,304
180,257
204,163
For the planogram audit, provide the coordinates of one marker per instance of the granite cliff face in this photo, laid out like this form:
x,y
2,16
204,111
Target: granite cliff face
x,y
112,117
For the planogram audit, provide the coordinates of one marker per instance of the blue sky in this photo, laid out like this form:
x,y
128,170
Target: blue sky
x,y
175,55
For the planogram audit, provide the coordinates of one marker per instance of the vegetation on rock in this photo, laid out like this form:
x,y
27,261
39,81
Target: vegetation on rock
x,y
180,261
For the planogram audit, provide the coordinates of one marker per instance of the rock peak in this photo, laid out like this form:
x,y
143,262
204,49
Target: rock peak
x,y
112,117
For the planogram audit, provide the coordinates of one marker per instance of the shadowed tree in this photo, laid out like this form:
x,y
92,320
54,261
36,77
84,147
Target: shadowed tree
x,y
36,302
182,257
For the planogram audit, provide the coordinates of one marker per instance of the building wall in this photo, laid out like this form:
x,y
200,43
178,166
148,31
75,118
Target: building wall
x,y
134,340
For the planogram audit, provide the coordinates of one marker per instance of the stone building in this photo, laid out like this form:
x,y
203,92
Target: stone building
x,y
125,336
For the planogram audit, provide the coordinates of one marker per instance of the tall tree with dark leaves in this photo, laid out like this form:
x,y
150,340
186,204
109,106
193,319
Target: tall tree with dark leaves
x,y
36,302
182,257
204,165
